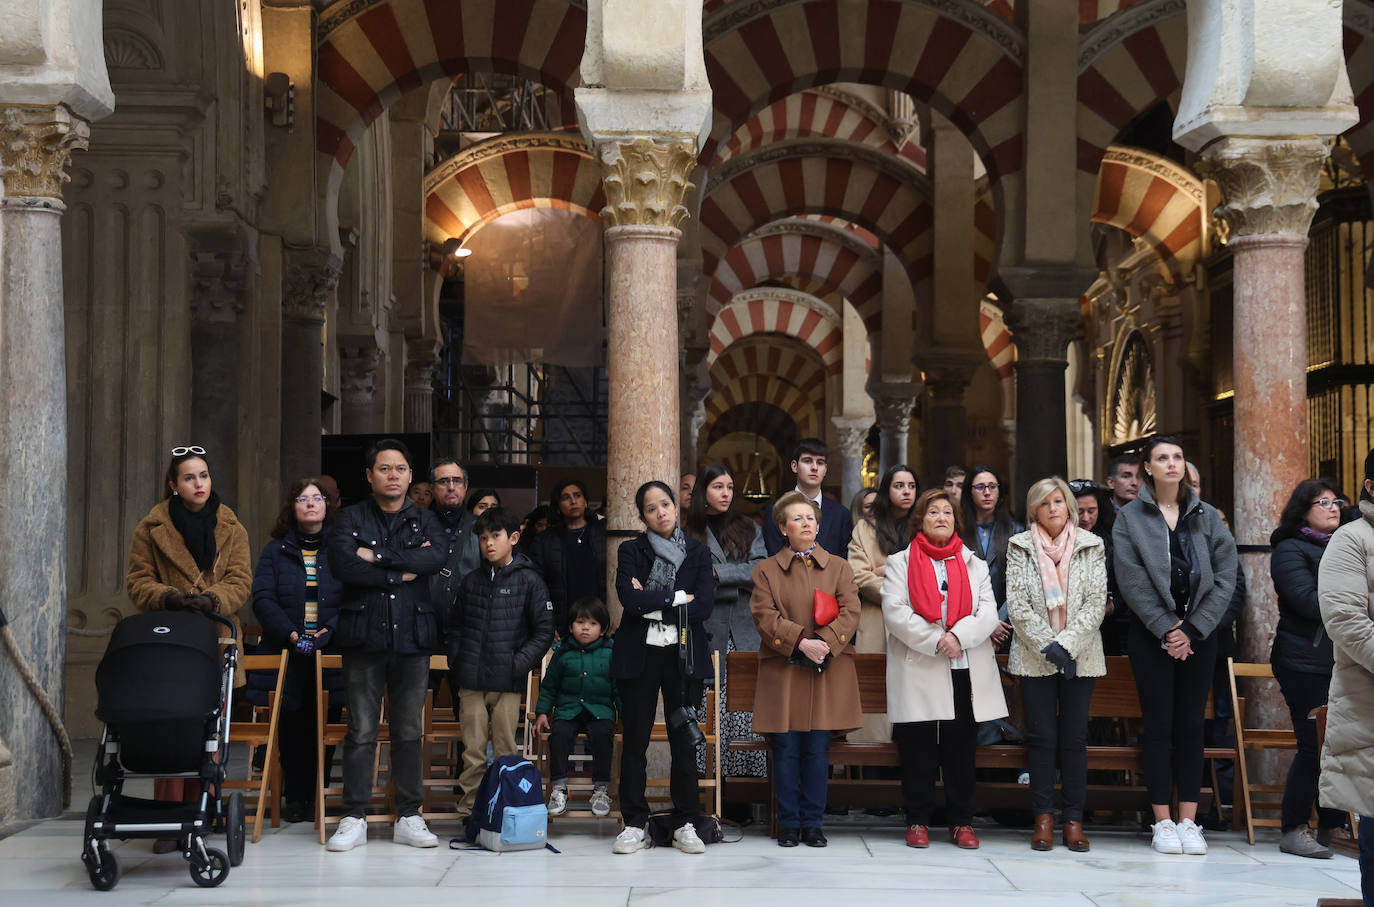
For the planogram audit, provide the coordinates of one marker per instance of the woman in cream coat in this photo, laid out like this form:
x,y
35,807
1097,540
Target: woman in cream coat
x,y
940,679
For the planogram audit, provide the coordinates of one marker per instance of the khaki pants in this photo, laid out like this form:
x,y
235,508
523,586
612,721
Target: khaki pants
x,y
484,717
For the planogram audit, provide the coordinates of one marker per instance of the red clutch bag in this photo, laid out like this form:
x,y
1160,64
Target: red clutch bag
x,y
824,608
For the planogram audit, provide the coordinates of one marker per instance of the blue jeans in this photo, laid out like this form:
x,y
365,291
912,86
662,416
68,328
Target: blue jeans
x,y
406,680
1367,859
801,769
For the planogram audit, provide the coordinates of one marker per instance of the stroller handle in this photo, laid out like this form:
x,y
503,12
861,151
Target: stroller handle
x,y
219,619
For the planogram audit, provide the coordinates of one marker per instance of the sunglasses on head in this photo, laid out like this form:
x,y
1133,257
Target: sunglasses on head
x,y
182,451
1082,486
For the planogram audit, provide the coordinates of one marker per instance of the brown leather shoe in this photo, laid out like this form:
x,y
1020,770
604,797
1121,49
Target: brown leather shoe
x,y
1043,838
1073,837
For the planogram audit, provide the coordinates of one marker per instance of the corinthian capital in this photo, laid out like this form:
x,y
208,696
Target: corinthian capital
x,y
645,182
310,275
851,432
36,145
1268,186
893,403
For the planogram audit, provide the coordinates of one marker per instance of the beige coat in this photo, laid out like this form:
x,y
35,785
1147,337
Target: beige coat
x,y
794,697
1345,590
919,682
1086,601
160,563
864,558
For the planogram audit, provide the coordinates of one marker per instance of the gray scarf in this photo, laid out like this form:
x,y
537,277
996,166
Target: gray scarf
x,y
669,554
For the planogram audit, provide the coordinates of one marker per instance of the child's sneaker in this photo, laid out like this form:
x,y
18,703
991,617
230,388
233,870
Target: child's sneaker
x,y
558,801
601,802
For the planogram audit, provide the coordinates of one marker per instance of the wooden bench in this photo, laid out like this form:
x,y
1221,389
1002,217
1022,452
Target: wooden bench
x,y
1114,697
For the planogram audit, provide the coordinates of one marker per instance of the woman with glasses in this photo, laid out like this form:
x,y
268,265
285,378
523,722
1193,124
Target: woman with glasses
x,y
988,526
190,553
1302,656
1175,570
296,600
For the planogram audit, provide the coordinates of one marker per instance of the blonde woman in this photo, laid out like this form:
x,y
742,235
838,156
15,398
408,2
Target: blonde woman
x,y
1056,599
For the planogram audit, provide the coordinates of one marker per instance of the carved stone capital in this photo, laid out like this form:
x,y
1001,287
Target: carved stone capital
x,y
310,275
1042,328
645,182
422,363
358,372
219,270
893,403
1268,186
851,432
36,145
949,371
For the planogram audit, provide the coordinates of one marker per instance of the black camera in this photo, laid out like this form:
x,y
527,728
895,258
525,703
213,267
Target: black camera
x,y
684,717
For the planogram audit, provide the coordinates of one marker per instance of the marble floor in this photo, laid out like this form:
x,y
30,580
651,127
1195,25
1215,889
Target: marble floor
x,y
865,864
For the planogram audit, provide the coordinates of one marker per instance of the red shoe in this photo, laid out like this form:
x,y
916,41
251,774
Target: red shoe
x,y
963,836
917,836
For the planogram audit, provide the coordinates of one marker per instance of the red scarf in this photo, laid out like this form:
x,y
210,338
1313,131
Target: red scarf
x,y
924,591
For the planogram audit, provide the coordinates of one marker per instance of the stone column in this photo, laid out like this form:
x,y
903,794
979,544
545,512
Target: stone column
x,y
218,266
362,411
311,274
893,404
851,431
946,420
35,148
419,387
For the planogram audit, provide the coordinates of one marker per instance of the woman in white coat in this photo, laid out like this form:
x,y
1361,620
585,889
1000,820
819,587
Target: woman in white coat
x,y
939,611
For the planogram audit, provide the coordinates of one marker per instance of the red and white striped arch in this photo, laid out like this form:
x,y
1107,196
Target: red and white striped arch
x,y
996,339
827,258
818,113
487,180
1089,11
764,389
964,61
1155,200
790,362
1359,61
885,196
773,310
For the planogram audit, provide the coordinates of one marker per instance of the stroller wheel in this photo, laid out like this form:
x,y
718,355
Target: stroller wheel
x,y
213,870
235,831
106,875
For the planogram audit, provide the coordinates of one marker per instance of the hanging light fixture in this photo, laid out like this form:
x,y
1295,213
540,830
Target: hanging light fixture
x,y
755,489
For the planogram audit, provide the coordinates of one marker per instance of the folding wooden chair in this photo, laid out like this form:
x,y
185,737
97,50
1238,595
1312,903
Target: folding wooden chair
x,y
261,730
333,734
442,734
1254,738
710,783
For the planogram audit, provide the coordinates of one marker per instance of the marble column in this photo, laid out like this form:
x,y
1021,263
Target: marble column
x,y
35,148
851,431
311,274
218,266
893,403
946,421
419,386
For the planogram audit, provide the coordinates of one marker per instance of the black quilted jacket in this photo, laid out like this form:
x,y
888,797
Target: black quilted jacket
x,y
499,627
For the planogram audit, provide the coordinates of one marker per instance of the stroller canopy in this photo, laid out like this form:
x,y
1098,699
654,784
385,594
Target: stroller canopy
x,y
160,666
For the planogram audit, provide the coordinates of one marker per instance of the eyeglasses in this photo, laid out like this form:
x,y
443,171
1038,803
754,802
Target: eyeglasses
x,y
447,481
1082,486
985,487
182,451
1327,503
310,499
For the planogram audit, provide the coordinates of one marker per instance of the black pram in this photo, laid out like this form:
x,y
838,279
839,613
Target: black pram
x,y
163,691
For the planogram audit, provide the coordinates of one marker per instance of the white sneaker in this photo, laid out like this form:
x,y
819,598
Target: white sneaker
x,y
413,831
558,801
1190,836
685,839
601,803
1166,837
351,833
629,840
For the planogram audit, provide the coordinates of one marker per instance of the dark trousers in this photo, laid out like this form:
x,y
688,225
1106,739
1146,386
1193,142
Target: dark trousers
x,y
600,737
405,680
1057,722
1304,692
801,768
1173,700
1367,861
296,737
930,748
639,699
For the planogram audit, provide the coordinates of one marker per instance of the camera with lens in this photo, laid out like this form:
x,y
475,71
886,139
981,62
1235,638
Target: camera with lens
x,y
685,717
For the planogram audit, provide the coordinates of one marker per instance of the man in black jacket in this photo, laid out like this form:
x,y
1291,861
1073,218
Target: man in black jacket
x,y
837,524
499,628
384,550
450,481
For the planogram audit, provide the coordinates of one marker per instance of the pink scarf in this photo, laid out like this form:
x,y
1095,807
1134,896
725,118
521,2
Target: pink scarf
x,y
1053,559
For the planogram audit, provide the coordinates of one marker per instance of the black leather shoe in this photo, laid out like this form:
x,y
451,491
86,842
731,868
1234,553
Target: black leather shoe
x,y
298,811
813,837
787,837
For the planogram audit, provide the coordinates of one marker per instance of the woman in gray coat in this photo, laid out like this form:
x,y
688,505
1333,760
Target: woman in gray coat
x,y
1175,570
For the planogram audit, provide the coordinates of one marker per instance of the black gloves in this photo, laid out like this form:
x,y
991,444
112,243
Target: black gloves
x,y
174,601
205,604
1061,659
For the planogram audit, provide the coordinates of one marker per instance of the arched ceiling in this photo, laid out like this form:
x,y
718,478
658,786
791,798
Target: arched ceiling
x,y
1154,200
773,310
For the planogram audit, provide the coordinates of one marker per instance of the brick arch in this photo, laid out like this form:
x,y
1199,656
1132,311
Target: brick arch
x,y
888,197
481,183
964,61
765,389
786,361
1154,200
772,310
756,418
827,258
1089,11
996,339
819,113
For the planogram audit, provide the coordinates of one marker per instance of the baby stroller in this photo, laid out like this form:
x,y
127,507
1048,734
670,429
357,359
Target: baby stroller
x,y
163,691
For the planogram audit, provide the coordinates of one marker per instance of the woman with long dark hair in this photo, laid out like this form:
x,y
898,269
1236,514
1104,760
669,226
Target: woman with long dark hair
x,y
1303,656
1175,569
988,526
571,553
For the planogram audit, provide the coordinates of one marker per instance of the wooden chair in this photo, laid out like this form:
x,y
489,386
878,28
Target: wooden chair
x,y
260,729
536,749
710,783
1254,738
442,734
1351,847
333,734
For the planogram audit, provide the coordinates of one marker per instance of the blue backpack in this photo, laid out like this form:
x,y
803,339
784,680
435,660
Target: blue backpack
x,y
509,813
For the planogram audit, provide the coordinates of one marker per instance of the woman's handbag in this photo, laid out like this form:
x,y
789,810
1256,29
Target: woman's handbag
x,y
824,608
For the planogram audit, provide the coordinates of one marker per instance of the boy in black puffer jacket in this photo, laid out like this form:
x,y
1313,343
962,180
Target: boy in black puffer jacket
x,y
499,628
580,695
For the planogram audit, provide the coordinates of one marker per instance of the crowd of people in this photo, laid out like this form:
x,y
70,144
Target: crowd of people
x,y
939,580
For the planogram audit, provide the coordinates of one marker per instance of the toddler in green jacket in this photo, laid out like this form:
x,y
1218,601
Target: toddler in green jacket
x,y
577,695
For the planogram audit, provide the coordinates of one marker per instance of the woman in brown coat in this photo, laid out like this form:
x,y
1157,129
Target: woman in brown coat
x,y
190,553
807,684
